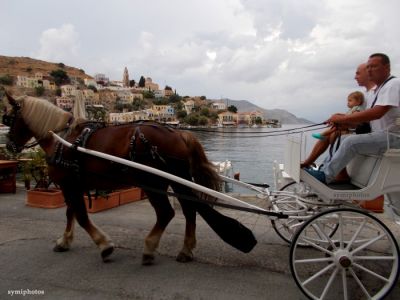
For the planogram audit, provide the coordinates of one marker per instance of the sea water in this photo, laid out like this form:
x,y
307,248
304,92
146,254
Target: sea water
x,y
252,151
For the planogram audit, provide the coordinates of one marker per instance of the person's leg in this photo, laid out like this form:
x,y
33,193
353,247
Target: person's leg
x,y
317,150
371,143
325,134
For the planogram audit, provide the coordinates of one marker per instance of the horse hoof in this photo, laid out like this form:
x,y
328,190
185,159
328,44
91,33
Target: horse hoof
x,y
147,259
105,253
59,248
184,258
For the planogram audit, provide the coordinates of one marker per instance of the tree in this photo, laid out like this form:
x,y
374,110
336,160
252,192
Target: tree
x,y
148,94
132,83
181,114
205,112
6,80
93,88
60,77
203,120
39,90
138,104
96,113
175,98
142,82
192,119
232,108
203,97
168,88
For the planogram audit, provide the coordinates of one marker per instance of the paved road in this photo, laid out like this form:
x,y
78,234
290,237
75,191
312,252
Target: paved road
x,y
27,261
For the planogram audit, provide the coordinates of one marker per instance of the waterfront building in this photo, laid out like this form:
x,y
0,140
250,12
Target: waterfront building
x,y
228,118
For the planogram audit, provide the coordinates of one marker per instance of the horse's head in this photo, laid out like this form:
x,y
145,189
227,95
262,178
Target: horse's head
x,y
19,133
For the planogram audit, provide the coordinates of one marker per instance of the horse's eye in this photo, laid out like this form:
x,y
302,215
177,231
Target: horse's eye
x,y
6,120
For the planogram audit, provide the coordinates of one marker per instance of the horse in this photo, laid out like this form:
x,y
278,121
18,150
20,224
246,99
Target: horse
x,y
158,146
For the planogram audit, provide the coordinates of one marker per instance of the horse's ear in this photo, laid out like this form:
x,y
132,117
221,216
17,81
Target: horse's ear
x,y
11,100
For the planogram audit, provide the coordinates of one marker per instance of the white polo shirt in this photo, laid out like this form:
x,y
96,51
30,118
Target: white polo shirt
x,y
389,94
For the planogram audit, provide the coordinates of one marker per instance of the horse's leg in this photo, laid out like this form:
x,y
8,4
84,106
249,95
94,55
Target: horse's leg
x,y
164,213
64,243
75,197
189,243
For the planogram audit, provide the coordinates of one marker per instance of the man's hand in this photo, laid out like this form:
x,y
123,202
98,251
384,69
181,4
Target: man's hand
x,y
336,119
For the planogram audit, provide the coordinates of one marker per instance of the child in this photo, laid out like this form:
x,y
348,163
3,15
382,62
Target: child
x,y
355,102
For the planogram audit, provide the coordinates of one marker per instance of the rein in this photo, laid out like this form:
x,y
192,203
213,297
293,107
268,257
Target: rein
x,y
247,134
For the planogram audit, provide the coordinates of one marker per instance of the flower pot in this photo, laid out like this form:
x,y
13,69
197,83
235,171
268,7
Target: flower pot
x,y
45,198
130,195
101,203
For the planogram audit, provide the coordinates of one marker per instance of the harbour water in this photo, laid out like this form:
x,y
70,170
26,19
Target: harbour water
x,y
252,151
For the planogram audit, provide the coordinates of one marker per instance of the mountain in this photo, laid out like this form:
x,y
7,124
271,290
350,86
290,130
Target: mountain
x,y
282,115
26,66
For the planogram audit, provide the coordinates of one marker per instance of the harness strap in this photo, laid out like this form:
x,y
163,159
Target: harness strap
x,y
152,149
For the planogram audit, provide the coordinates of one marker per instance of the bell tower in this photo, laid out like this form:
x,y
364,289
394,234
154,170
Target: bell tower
x,y
125,78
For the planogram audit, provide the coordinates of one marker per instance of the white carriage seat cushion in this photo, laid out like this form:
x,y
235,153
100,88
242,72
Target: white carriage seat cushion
x,y
362,169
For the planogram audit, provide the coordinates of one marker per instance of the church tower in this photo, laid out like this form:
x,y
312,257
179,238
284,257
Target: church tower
x,y
125,79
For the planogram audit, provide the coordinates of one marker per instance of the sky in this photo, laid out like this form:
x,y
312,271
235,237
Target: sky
x,y
297,55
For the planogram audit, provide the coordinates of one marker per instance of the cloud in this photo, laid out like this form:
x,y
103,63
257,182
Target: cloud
x,y
59,44
290,54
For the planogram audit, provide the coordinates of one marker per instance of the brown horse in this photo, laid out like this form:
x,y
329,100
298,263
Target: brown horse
x,y
148,143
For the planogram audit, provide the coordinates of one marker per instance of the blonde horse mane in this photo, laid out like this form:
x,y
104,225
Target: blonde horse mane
x,y
41,116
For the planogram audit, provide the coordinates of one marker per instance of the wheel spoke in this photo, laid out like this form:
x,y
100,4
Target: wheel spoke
x,y
314,260
329,283
341,227
360,283
322,235
374,257
312,244
356,234
370,242
371,272
344,283
319,273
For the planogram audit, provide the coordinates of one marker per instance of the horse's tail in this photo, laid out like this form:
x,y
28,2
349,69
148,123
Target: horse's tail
x,y
205,173
201,169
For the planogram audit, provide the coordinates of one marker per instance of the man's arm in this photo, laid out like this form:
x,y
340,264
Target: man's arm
x,y
363,116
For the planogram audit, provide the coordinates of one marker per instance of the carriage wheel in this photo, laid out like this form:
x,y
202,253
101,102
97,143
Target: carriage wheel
x,y
361,260
286,228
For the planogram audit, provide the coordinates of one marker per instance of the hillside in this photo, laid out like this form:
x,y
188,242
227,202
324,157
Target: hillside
x,y
282,115
26,66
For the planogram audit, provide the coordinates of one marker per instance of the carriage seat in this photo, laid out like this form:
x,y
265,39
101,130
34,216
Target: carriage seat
x,y
363,169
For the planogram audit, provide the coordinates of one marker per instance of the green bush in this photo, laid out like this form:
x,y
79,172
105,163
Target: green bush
x,y
6,80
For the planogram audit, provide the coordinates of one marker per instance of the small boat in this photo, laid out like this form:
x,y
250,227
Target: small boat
x,y
225,168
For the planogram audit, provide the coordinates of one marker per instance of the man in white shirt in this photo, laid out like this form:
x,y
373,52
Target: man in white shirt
x,y
361,76
381,113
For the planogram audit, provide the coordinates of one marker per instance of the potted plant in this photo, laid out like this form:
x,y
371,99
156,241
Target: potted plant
x,y
99,200
35,171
